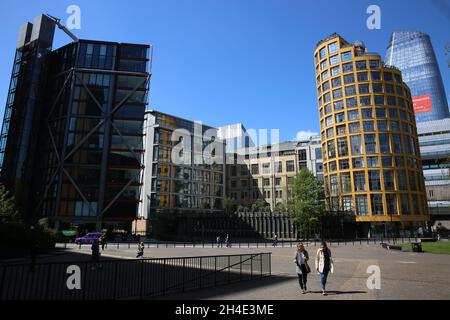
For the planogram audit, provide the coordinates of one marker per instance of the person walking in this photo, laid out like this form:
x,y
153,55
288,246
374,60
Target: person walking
x,y
227,241
103,241
95,248
218,241
324,265
302,268
140,253
275,241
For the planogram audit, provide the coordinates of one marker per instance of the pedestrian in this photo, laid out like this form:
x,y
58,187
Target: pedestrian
x,y
301,261
95,248
140,253
218,241
324,265
103,241
275,241
227,241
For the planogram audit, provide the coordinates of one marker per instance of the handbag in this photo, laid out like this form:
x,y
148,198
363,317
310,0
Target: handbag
x,y
308,269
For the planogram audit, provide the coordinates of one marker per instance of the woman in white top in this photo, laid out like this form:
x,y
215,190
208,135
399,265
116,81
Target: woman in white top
x,y
301,261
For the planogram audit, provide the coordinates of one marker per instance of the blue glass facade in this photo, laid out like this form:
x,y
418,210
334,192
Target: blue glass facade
x,y
412,52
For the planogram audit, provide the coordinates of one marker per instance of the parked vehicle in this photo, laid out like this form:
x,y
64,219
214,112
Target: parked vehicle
x,y
89,238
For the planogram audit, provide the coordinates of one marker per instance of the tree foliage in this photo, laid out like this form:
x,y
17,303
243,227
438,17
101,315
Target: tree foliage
x,y
307,204
8,211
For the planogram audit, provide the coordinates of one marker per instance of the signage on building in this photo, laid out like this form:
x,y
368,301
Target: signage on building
x,y
422,103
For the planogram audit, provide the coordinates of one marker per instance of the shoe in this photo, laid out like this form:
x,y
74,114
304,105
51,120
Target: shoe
x,y
303,291
324,293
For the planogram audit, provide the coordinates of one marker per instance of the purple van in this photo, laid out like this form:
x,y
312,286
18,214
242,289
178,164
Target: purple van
x,y
89,238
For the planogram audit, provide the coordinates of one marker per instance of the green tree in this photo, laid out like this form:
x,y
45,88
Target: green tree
x,y
307,205
259,205
230,205
8,211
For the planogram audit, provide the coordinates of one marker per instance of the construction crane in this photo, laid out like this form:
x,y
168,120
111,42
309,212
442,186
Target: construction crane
x,y
57,21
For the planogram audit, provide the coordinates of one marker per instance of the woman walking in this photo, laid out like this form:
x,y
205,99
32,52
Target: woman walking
x,y
301,261
324,265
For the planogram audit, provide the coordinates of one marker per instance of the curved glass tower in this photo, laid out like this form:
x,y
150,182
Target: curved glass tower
x,y
371,158
413,54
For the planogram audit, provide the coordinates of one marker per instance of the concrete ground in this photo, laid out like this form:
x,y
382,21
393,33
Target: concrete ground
x,y
417,276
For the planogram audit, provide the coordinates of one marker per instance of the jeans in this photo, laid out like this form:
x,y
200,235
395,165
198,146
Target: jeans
x,y
323,279
303,277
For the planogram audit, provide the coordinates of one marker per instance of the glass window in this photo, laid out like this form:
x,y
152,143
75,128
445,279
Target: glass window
x,y
358,163
363,88
356,145
340,117
386,161
374,64
339,105
370,143
361,205
334,60
361,65
405,204
346,56
376,75
384,143
368,126
389,88
349,78
336,82
323,53
377,204
337,94
266,168
359,179
342,147
354,127
372,162
388,180
331,149
255,169
380,113
374,180
382,125
325,75
326,86
397,144
324,64
335,71
333,47
346,184
377,88
329,120
367,113
341,130
290,165
351,102
344,165
350,90
353,115
387,76
365,101
362,76
379,100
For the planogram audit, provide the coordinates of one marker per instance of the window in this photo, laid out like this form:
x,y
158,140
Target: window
x,y
349,78
386,161
374,64
379,100
340,117
346,56
361,65
387,76
396,143
328,109
347,203
405,204
331,149
368,126
290,180
266,182
279,167
278,181
337,94
353,115
335,71
374,180
255,169
362,76
341,130
391,204
384,143
266,168
329,121
363,88
389,88
354,127
365,101
380,112
333,47
376,76
350,91
344,165
382,125
346,184
339,105
325,75
323,53
359,179
333,166
290,165
342,147
244,183
351,102
388,180
324,64
377,204
326,86
334,60
355,144
367,113
361,205
370,143
358,163
330,133
377,88
334,184
326,97
372,162
336,82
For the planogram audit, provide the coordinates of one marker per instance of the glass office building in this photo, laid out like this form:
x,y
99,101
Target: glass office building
x,y
371,158
87,149
412,53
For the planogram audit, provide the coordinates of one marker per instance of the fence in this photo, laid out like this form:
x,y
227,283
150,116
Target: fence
x,y
264,243
129,279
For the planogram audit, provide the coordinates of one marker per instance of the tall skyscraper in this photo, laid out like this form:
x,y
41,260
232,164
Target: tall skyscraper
x,y
72,137
372,165
412,53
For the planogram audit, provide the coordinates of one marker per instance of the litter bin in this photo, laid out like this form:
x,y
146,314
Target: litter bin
x,y
416,247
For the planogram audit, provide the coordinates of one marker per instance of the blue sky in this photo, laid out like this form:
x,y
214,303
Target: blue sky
x,y
229,61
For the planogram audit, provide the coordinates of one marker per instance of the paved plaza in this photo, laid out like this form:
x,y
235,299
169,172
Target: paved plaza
x,y
404,275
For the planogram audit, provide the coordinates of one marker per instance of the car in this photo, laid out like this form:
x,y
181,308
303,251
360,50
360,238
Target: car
x,y
89,238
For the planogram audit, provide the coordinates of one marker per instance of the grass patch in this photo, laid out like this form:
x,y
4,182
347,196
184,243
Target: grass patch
x,y
431,247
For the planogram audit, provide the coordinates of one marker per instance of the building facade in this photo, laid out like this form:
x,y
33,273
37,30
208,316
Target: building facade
x,y
412,53
371,160
87,138
268,172
434,141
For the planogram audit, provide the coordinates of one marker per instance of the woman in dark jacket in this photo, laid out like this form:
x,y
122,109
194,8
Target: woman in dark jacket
x,y
301,261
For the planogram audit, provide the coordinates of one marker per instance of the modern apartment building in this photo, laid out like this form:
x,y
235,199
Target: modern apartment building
x,y
434,141
412,53
73,129
267,172
236,137
372,166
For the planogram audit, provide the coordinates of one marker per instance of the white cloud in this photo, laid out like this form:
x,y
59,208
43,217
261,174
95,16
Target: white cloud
x,y
305,135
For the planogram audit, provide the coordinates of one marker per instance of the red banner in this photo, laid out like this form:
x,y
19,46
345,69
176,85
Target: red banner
x,y
422,103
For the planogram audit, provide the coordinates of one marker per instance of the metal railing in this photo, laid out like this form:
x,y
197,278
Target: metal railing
x,y
262,243
129,279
